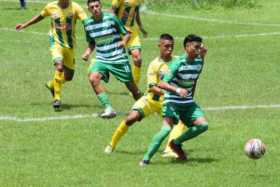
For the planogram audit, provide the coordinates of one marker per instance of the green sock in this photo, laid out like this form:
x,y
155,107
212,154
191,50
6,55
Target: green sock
x,y
156,141
191,133
104,99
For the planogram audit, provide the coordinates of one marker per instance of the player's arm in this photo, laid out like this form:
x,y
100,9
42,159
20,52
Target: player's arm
x,y
164,84
139,22
202,51
88,51
32,21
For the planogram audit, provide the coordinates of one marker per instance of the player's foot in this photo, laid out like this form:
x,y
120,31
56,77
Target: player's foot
x,y
109,112
169,154
144,163
50,89
57,105
109,149
178,150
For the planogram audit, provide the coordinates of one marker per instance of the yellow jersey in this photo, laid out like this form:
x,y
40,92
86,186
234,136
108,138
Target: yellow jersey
x,y
126,11
63,22
157,68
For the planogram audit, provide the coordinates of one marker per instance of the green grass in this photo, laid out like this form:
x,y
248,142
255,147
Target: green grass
x,y
238,71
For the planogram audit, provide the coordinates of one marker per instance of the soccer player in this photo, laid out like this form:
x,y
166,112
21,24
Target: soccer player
x,y
104,32
152,101
180,83
128,12
63,14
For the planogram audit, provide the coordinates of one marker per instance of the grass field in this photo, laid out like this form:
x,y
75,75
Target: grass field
x,y
239,90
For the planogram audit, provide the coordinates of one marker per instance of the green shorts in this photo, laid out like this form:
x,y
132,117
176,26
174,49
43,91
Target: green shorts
x,y
121,72
187,113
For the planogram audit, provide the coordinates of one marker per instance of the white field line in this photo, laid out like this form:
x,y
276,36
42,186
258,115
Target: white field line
x,y
212,20
95,115
186,17
221,36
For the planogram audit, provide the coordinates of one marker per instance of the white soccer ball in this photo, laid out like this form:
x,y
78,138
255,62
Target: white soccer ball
x,y
254,148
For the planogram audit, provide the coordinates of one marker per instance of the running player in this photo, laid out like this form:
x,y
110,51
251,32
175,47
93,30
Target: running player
x,y
152,101
179,84
63,14
104,32
128,12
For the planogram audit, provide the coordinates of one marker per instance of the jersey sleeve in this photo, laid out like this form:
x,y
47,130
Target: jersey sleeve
x,y
172,69
119,26
88,37
152,75
45,12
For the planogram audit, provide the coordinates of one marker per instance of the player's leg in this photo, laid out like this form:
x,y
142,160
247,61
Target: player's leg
x,y
142,108
132,117
176,132
157,140
131,86
98,72
122,72
137,63
134,47
194,118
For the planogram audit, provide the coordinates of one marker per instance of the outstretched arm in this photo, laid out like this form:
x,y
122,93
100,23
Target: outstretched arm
x,y
139,22
32,21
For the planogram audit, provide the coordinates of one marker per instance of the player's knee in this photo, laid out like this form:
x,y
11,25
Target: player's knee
x,y
132,118
94,78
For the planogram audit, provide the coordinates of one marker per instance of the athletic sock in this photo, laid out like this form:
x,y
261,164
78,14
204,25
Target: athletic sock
x,y
156,142
119,132
175,133
103,97
191,133
57,84
136,72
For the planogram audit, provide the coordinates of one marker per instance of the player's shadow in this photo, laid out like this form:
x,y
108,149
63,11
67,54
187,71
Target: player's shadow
x,y
136,152
189,162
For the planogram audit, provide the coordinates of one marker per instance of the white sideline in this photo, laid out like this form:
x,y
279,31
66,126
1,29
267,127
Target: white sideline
x,y
95,115
221,36
186,17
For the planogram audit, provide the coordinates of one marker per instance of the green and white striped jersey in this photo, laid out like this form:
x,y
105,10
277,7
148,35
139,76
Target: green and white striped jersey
x,y
182,73
106,35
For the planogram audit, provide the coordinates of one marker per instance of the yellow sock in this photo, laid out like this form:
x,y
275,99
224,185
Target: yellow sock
x,y
176,132
136,72
57,84
119,132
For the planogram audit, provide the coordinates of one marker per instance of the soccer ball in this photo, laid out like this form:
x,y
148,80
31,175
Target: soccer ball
x,y
254,148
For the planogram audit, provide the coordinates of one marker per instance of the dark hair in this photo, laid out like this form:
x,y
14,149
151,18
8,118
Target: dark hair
x,y
192,38
89,1
166,36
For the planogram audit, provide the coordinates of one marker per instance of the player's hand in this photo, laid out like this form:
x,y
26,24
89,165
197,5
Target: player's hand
x,y
121,44
203,51
144,32
19,27
85,56
182,92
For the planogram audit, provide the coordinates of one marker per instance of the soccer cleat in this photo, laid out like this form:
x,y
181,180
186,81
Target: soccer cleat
x,y
178,150
144,163
109,149
50,89
57,105
169,154
108,113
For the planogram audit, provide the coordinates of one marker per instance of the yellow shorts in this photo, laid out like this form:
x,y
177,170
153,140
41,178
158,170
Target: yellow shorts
x,y
134,41
147,106
66,55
